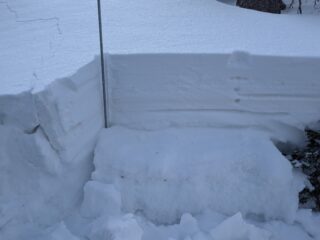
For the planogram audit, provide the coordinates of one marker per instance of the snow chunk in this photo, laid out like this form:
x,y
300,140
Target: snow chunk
x,y
189,224
124,228
60,232
235,228
100,199
164,174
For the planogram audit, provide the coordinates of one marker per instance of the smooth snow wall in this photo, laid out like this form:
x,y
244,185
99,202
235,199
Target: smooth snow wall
x,y
235,90
47,138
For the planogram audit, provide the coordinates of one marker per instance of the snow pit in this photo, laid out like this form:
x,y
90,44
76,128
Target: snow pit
x,y
163,174
171,63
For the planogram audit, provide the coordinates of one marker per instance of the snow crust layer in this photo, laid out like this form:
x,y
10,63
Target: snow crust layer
x,y
166,173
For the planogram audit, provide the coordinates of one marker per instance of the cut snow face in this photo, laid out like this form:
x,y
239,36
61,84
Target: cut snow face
x,y
163,174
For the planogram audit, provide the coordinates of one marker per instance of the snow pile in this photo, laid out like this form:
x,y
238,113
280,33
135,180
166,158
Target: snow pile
x,y
46,149
164,174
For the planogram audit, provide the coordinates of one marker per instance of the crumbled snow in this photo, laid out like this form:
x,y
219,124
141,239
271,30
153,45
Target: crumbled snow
x,y
121,228
58,232
235,228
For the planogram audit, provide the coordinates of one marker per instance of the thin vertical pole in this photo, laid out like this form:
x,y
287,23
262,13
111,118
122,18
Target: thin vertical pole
x,y
103,78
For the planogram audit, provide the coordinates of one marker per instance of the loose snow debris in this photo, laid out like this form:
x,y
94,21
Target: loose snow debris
x,y
121,228
164,174
58,232
310,222
100,199
235,228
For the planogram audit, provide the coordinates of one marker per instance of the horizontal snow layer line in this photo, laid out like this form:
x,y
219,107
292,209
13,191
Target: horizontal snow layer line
x,y
210,53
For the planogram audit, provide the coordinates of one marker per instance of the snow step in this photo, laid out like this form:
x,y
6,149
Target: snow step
x,y
166,173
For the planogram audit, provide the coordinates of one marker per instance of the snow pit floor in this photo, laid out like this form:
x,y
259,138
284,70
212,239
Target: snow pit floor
x,y
190,184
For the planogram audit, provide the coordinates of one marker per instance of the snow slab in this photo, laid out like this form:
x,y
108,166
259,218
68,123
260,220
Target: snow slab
x,y
166,173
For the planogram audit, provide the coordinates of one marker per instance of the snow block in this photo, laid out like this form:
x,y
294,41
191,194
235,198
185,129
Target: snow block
x,y
167,173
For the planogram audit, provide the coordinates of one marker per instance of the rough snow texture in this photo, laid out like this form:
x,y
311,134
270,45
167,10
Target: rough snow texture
x,y
46,146
164,174
236,90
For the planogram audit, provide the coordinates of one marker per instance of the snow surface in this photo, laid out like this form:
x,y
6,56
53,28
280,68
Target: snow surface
x,y
50,40
41,41
206,26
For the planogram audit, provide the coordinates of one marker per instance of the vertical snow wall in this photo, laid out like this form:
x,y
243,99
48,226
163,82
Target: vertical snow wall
x,y
47,136
46,149
235,90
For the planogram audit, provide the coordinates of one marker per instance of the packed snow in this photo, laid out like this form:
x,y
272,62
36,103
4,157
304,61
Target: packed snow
x,y
199,93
